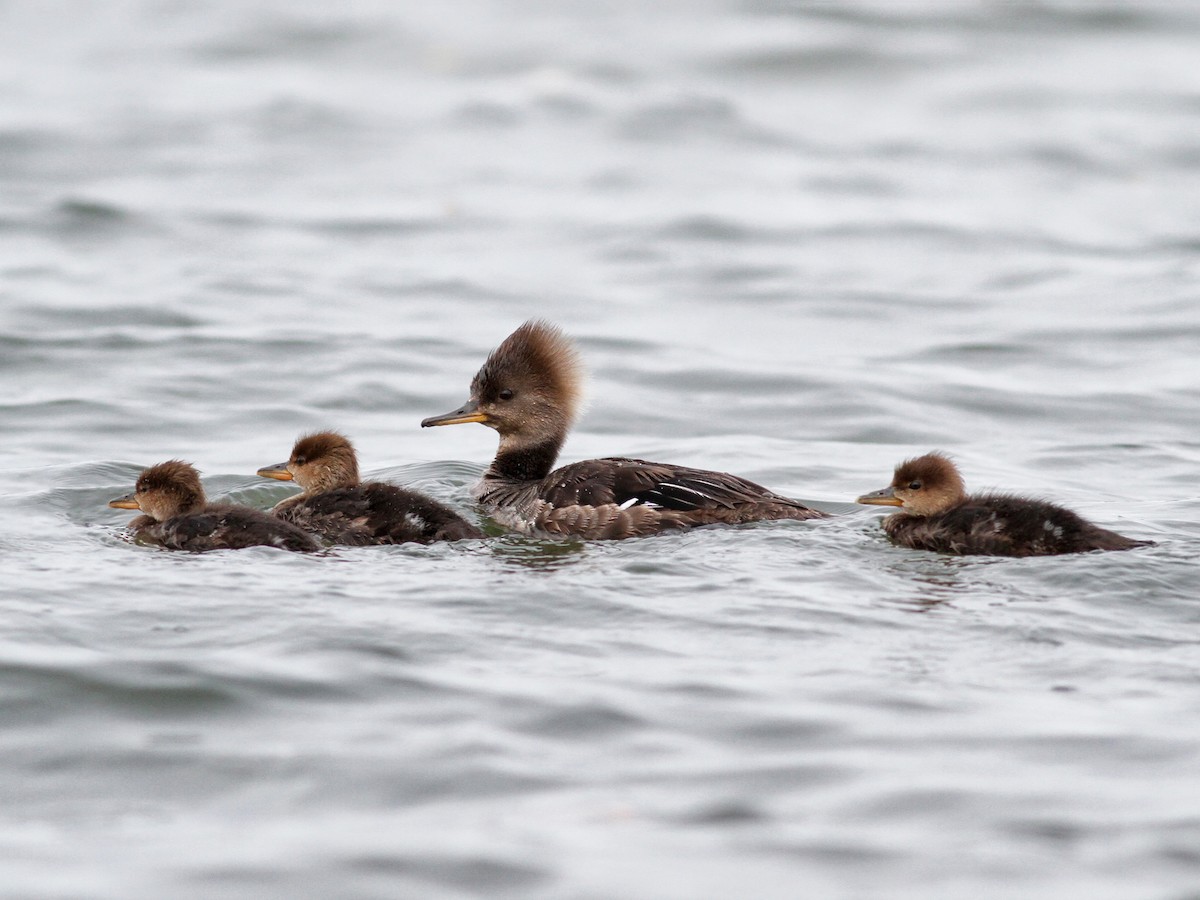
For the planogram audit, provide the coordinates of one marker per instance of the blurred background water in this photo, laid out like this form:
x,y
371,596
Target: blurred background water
x,y
798,241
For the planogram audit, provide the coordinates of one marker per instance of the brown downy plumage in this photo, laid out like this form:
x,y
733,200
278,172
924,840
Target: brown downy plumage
x,y
528,391
178,517
339,508
936,513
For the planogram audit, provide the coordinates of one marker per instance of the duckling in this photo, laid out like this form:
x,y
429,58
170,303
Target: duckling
x,y
339,508
937,514
528,390
177,516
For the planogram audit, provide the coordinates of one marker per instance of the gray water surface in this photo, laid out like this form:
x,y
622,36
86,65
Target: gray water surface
x,y
796,241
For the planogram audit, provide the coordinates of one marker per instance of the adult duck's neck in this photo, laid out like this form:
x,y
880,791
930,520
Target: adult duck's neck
x,y
528,462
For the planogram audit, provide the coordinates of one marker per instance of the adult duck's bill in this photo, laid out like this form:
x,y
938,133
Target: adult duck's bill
x,y
129,501
882,497
468,412
279,471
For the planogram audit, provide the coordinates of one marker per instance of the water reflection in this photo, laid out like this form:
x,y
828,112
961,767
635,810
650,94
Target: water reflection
x,y
933,582
537,553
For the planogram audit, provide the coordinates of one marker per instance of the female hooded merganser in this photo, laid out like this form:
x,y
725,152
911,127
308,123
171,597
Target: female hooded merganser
x,y
178,517
937,514
528,390
341,509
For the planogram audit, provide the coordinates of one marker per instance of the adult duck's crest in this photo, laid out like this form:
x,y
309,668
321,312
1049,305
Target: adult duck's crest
x,y
529,389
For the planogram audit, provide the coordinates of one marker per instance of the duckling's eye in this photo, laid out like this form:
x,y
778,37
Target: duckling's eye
x,y
505,394
300,460
914,485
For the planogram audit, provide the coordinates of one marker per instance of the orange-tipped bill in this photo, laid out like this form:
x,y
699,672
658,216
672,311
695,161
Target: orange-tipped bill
x,y
129,501
279,471
883,497
468,412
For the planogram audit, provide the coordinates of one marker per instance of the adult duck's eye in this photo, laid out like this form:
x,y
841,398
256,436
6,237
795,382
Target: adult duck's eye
x,y
506,394
914,485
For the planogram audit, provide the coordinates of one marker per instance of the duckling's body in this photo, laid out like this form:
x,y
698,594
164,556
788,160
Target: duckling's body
x,y
937,514
179,517
528,391
340,509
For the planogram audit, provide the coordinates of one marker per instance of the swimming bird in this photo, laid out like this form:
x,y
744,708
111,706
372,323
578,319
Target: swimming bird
x,y
177,515
339,508
936,513
528,390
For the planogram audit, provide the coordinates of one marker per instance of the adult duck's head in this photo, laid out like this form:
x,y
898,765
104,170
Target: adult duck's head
x,y
528,390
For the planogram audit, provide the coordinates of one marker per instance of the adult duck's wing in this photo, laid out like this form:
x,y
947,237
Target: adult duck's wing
x,y
636,482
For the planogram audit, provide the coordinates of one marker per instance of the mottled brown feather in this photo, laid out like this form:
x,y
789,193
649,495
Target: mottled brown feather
x,y
177,516
939,515
341,509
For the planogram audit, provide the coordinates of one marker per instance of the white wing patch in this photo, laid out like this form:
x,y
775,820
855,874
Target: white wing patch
x,y
680,487
640,501
712,484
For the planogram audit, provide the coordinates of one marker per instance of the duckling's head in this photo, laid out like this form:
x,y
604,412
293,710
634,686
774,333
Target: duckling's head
x,y
168,489
319,462
528,390
923,486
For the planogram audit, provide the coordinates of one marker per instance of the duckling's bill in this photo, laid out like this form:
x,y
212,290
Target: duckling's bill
x,y
882,497
129,501
468,412
279,471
